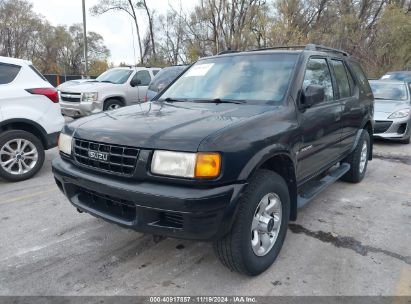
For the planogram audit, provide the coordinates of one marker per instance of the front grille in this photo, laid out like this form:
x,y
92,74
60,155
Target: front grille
x,y
119,208
120,160
381,126
70,97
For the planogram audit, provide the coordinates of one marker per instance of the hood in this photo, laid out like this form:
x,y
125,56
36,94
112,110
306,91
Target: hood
x,y
89,87
155,125
390,106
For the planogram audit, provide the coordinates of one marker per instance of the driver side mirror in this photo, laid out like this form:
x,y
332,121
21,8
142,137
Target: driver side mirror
x,y
312,95
135,82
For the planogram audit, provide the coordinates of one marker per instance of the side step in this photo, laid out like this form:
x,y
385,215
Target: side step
x,y
310,190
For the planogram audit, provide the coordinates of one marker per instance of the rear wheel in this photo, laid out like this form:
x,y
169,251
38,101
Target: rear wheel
x,y
112,104
259,230
21,155
358,160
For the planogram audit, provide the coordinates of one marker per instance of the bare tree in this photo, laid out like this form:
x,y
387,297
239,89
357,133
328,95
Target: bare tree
x,y
104,6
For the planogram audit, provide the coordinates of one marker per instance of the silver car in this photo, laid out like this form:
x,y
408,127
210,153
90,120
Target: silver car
x,y
113,89
392,110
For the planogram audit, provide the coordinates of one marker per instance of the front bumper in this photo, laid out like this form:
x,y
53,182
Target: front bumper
x,y
171,210
397,129
79,109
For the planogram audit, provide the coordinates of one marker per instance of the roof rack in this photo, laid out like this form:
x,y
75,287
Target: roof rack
x,y
227,51
307,47
318,47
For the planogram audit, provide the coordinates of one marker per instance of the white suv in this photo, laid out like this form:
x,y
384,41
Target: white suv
x,y
113,89
30,119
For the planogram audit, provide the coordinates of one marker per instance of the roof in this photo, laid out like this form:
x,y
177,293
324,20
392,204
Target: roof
x,y
291,49
135,68
16,61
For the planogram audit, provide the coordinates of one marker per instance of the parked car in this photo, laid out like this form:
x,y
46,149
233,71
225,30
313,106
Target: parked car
x,y
113,89
228,152
163,79
30,119
392,110
399,75
70,83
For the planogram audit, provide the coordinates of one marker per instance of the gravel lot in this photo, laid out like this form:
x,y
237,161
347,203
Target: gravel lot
x,y
351,240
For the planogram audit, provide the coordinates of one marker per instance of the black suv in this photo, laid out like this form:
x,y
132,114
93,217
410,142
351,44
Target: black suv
x,y
227,152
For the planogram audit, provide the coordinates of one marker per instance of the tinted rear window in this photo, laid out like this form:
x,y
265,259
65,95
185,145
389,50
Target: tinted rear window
x,y
361,78
8,72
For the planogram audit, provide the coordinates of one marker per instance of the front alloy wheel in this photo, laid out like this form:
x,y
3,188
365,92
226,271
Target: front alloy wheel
x,y
266,224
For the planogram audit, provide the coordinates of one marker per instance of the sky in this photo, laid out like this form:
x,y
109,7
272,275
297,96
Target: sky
x,y
115,27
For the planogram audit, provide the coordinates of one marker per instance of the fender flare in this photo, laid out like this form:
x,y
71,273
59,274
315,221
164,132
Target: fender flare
x,y
40,130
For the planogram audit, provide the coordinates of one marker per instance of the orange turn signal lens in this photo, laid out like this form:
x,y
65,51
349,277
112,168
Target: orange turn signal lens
x,y
208,165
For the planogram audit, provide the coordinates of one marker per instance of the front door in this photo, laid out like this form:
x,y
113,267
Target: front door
x,y
320,124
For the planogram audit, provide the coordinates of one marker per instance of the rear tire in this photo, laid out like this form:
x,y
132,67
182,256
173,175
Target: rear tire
x,y
357,161
236,249
112,104
28,158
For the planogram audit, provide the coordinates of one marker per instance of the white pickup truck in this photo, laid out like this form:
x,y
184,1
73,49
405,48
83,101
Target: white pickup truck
x,y
113,89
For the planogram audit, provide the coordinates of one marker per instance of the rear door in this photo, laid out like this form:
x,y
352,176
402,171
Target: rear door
x,y
145,78
351,109
321,124
137,94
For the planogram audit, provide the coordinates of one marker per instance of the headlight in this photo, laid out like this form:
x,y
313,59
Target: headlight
x,y
400,114
189,165
65,142
89,97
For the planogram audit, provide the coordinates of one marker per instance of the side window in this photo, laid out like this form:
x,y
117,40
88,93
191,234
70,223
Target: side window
x,y
342,78
155,72
318,73
144,77
362,79
8,72
351,80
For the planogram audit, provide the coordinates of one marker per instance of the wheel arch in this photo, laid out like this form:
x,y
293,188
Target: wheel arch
x,y
25,125
368,126
115,97
282,164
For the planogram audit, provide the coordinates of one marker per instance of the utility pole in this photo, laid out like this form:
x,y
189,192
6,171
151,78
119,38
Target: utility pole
x,y
85,41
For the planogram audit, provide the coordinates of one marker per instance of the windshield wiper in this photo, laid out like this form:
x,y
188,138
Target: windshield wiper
x,y
169,99
108,81
219,100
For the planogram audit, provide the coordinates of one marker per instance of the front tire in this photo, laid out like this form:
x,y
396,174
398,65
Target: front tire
x,y
21,155
358,160
260,226
112,104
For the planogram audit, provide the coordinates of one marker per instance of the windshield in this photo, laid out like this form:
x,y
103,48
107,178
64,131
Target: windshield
x,y
165,77
117,76
392,91
257,77
404,76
